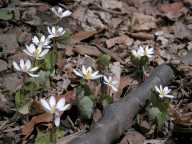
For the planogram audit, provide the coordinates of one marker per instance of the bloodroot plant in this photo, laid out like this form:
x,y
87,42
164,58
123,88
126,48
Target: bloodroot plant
x,y
141,58
37,70
160,102
56,108
92,82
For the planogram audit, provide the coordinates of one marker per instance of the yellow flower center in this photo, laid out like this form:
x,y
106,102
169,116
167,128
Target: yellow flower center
x,y
88,76
37,52
53,110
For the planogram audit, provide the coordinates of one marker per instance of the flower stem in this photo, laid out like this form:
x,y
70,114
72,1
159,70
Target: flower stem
x,y
52,137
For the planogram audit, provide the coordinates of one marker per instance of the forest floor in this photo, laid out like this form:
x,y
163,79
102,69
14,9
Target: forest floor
x,y
100,34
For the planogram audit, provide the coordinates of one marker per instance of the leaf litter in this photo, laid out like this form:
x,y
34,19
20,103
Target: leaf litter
x,y
113,28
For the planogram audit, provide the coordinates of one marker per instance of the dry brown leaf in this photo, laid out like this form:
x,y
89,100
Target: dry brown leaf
x,y
142,36
119,40
68,50
173,10
110,53
70,96
83,35
133,137
38,107
181,31
112,4
144,22
27,129
87,50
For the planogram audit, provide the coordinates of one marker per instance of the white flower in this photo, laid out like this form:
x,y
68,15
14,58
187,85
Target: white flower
x,y
55,32
138,53
26,67
36,52
41,42
110,82
87,74
58,11
147,51
163,92
143,52
55,108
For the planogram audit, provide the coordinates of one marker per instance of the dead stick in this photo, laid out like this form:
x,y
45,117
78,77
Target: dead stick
x,y
113,55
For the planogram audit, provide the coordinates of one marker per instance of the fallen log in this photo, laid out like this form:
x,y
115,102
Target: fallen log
x,y
119,116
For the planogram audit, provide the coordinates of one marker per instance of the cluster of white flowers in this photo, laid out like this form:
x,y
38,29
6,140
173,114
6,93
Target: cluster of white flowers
x,y
140,52
89,74
38,49
40,45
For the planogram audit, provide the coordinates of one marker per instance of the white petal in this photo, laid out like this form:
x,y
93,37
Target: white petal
x,y
44,52
160,88
157,89
66,107
25,51
77,73
33,75
49,30
35,40
114,82
60,29
28,64
16,66
169,96
57,121
60,104
22,64
45,105
52,101
96,77
30,48
84,70
167,90
34,69
59,10
95,73
114,88
89,70
106,79
53,9
42,40
66,13
53,30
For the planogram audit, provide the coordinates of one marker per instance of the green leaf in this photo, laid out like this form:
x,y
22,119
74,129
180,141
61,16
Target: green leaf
x,y
50,60
43,80
59,133
107,100
25,108
86,105
157,102
156,115
19,98
104,60
5,14
42,138
22,102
